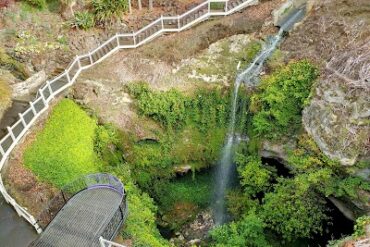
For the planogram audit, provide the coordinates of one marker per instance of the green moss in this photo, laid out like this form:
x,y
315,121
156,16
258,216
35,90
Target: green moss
x,y
5,95
18,69
64,149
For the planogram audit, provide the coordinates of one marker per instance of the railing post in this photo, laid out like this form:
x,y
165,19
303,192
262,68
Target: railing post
x,y
226,5
68,78
2,151
33,108
209,6
134,37
162,21
49,86
117,38
22,120
178,22
11,133
43,97
91,60
78,61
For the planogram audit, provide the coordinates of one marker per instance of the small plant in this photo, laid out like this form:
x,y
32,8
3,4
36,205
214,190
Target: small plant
x,y
39,4
109,10
361,224
83,20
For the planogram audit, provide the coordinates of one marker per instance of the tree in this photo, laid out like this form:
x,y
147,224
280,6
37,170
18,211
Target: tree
x,y
150,4
254,177
248,232
294,210
139,4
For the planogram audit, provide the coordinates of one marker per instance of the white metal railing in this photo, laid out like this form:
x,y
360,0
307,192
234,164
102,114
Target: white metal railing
x,y
66,79
106,243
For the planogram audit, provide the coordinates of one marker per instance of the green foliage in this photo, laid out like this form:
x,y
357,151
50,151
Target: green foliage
x,y
40,4
64,149
150,161
249,52
197,190
83,20
15,67
168,108
281,98
324,174
293,210
196,129
180,199
247,232
361,224
140,225
108,10
206,109
238,203
254,177
217,6
108,145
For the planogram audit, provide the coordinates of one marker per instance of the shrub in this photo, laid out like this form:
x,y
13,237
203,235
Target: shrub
x,y
140,225
293,210
173,110
108,10
361,224
254,177
248,232
278,105
40,4
83,20
64,149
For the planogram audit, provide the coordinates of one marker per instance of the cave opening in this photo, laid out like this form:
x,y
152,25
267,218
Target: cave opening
x,y
338,226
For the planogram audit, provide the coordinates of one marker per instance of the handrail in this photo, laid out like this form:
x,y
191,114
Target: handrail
x,y
87,182
58,84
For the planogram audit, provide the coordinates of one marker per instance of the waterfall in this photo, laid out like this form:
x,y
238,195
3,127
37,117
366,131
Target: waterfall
x,y
250,77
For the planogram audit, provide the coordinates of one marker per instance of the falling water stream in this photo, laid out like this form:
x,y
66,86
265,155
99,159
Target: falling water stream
x,y
250,77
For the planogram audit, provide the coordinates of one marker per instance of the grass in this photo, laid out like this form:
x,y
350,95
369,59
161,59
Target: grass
x,y
181,199
64,149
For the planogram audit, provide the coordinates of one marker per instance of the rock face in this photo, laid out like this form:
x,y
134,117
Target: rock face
x,y
281,14
195,232
338,117
23,90
335,36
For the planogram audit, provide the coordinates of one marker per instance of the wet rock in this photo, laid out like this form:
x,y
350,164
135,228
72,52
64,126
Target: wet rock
x,y
182,169
23,90
199,228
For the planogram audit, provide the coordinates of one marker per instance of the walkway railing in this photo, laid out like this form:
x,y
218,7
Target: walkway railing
x,y
120,41
91,181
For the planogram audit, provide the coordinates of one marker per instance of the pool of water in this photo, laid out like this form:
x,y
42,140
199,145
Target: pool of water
x,y
14,230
